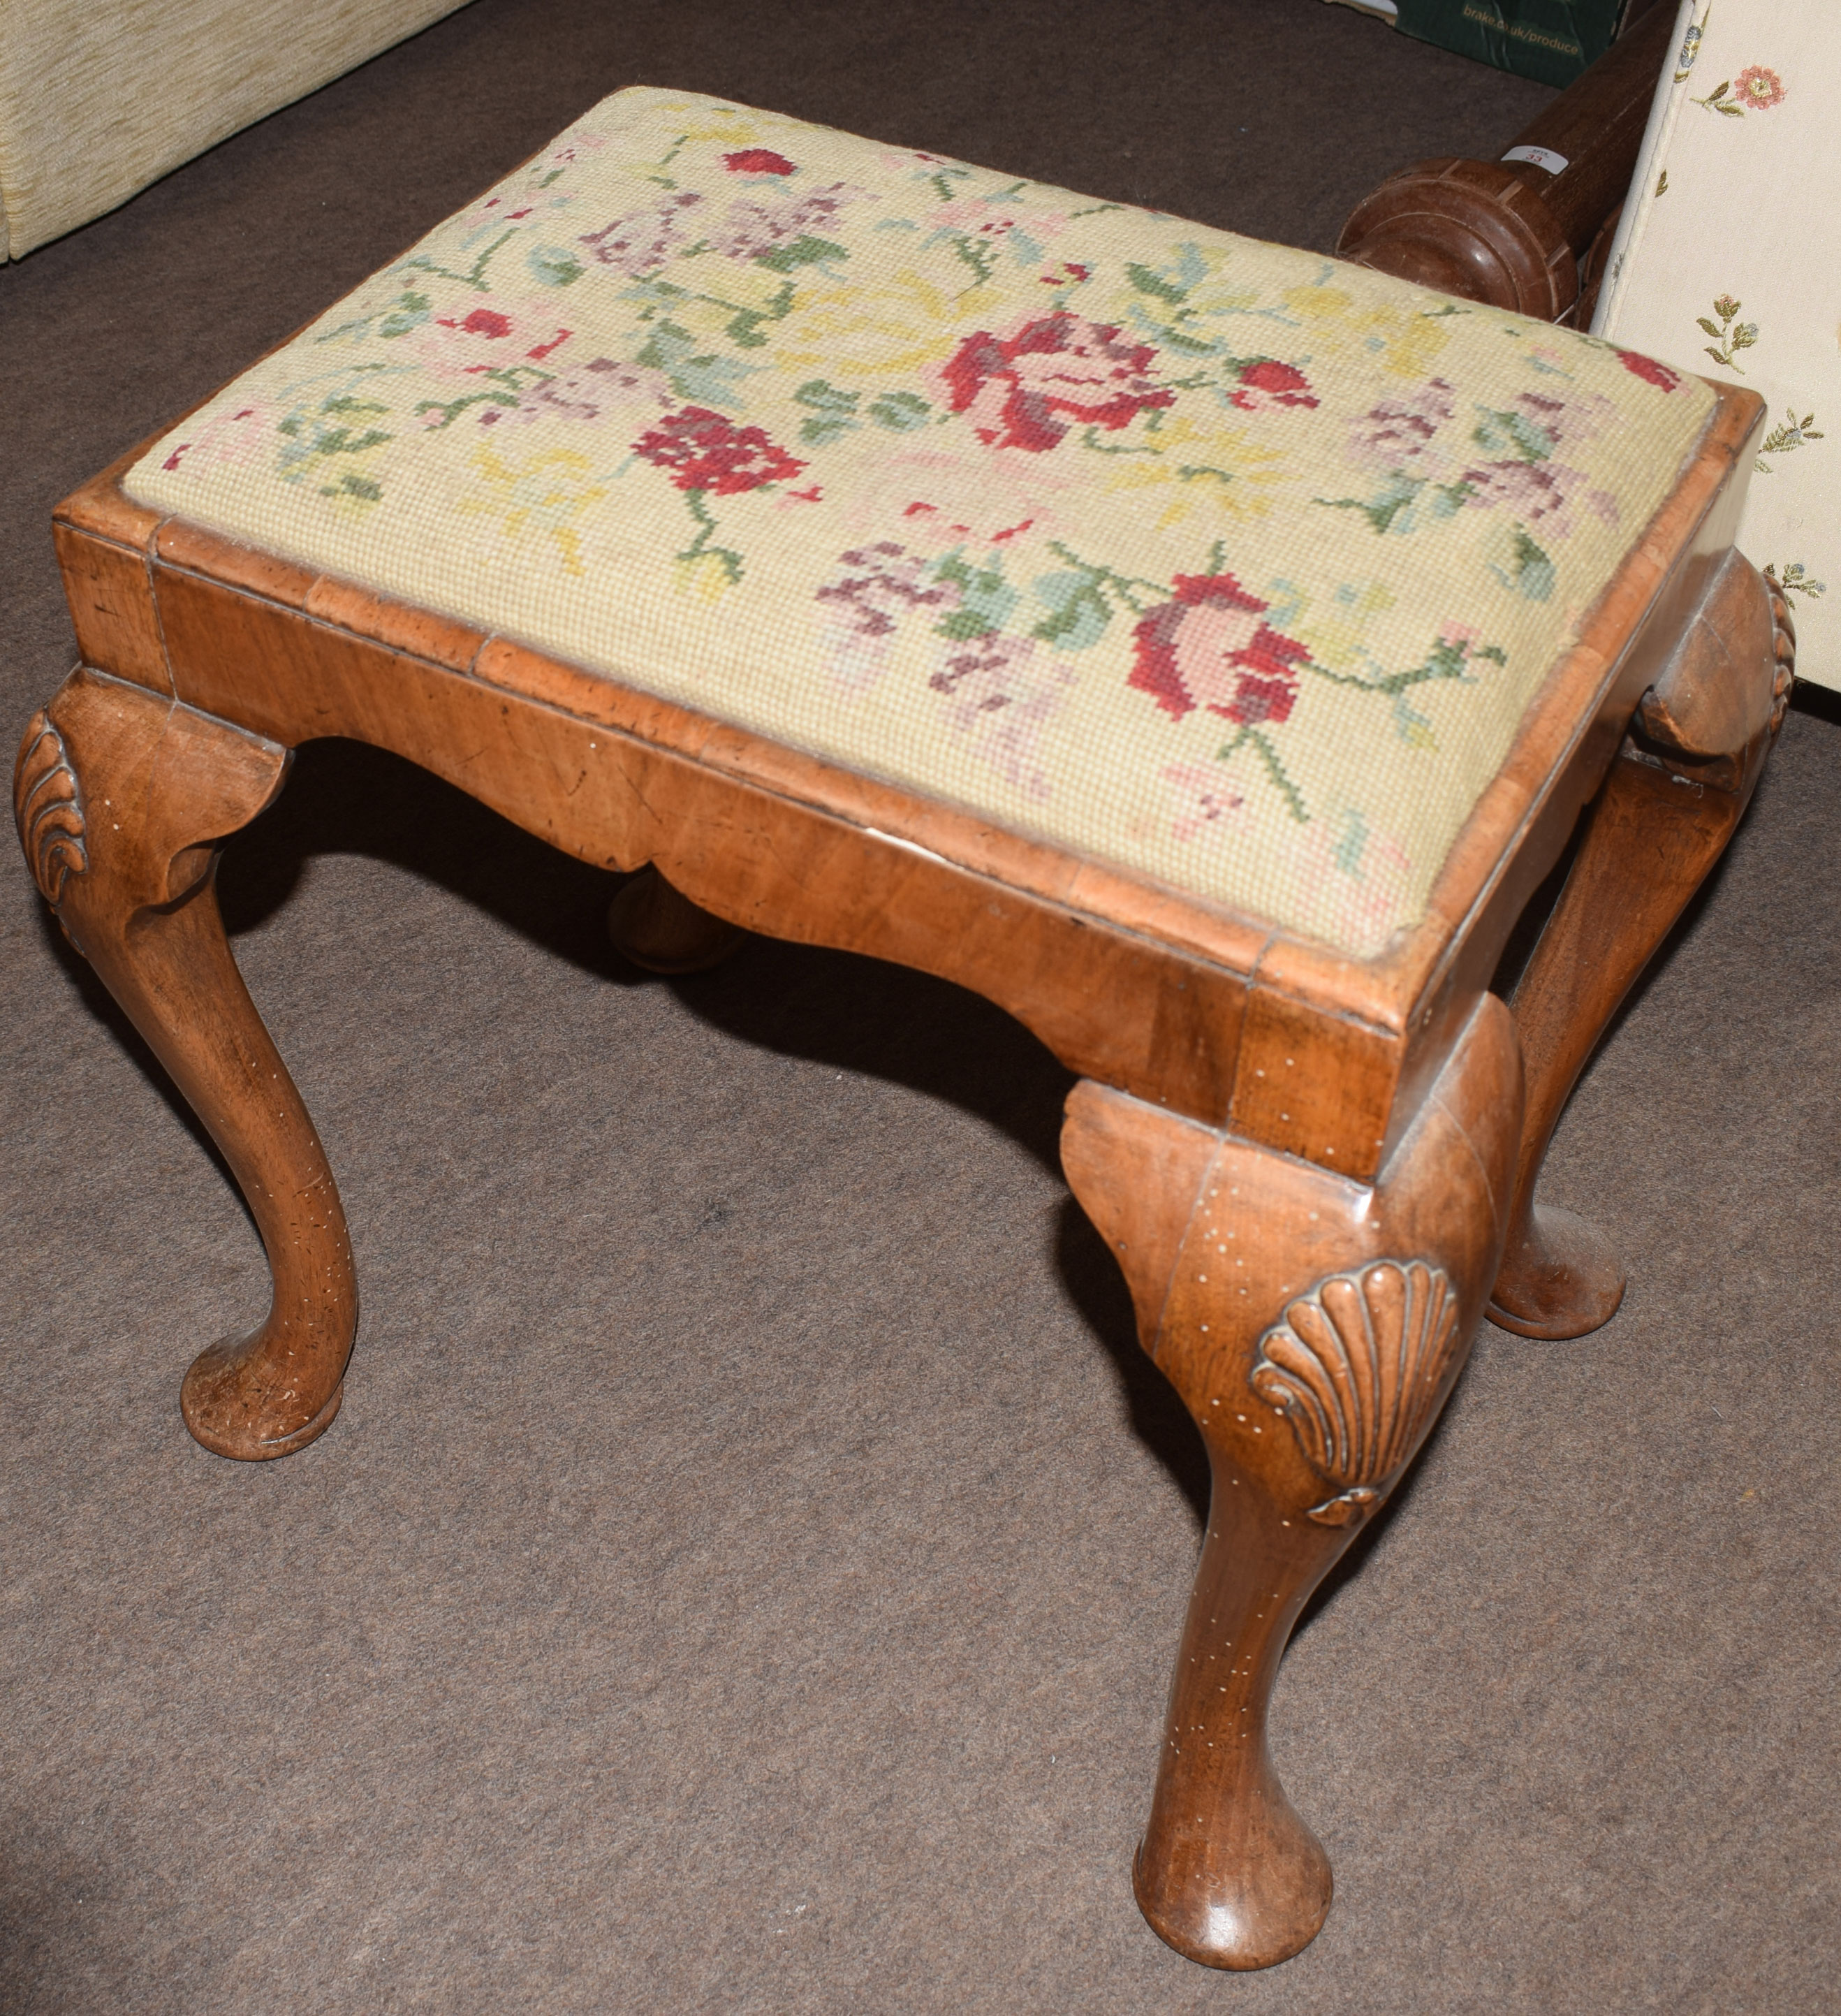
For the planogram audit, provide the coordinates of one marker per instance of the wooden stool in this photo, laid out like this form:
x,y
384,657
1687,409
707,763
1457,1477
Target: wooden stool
x,y
1200,648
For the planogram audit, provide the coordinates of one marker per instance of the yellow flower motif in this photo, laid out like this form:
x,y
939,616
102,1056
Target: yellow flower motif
x,y
901,327
1218,472
1403,338
1336,637
704,577
542,494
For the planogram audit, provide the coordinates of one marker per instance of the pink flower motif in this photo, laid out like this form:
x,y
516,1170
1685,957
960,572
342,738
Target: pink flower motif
x,y
1757,89
1538,493
1566,421
758,161
973,217
1349,882
776,219
1269,383
1210,648
1660,376
1206,800
875,585
871,589
498,332
589,390
1024,391
1003,691
235,440
705,451
642,241
1400,432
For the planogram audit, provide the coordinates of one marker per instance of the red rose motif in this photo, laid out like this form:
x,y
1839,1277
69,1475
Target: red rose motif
x,y
1210,648
1658,375
705,450
487,321
1024,391
758,161
1268,383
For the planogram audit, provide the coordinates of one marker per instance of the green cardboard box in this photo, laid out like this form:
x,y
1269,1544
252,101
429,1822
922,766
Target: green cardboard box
x,y
1551,41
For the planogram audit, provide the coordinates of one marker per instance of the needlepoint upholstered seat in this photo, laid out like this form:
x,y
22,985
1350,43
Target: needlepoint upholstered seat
x,y
1218,561
1201,648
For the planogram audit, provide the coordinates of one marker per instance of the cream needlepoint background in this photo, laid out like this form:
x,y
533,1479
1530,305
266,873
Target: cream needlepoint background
x,y
1223,562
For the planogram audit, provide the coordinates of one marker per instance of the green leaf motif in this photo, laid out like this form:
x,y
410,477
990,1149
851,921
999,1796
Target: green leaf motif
x,y
1512,434
1078,613
1525,566
745,330
696,374
1390,510
833,412
962,626
554,266
902,412
1148,283
804,251
987,600
976,254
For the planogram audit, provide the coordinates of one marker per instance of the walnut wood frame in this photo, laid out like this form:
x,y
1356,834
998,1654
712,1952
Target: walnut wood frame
x,y
1308,1165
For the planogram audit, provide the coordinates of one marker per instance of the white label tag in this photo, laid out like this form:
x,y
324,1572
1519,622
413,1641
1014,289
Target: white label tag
x,y
1542,157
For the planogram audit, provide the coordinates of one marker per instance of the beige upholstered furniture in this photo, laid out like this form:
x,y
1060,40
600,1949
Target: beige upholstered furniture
x,y
1726,261
98,98
1200,648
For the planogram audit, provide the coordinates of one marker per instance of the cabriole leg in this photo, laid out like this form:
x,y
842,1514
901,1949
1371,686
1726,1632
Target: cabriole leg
x,y
1313,1326
122,797
1672,802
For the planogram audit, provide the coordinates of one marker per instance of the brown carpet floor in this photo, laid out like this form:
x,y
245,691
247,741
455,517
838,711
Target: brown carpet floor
x,y
746,1571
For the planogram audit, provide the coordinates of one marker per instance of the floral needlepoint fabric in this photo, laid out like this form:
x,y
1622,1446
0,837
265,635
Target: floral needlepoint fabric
x,y
1223,563
1728,260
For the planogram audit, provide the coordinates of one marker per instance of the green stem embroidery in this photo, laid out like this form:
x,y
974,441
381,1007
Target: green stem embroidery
x,y
517,379
1122,585
1448,659
663,180
1275,769
1729,336
474,277
1793,433
744,330
979,257
700,546
1717,101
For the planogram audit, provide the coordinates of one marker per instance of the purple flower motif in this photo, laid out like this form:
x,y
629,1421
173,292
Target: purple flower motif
x,y
872,588
757,227
1399,432
592,389
642,241
1003,693
1543,494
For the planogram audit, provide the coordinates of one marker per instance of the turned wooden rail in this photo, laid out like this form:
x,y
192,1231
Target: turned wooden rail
x,y
1520,232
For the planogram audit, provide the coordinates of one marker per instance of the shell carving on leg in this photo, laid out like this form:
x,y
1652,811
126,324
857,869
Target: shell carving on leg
x,y
1357,1365
47,803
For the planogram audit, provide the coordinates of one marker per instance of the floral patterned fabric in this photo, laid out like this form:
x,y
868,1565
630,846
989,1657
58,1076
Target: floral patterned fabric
x,y
1221,562
1725,262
